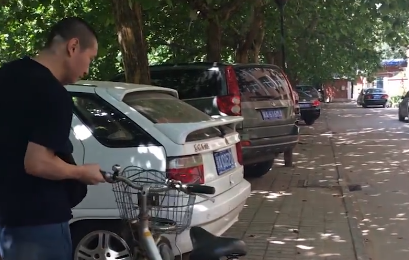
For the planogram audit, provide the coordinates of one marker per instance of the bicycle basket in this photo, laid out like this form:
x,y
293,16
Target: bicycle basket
x,y
170,208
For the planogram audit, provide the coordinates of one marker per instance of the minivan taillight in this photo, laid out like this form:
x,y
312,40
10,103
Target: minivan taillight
x,y
230,104
187,169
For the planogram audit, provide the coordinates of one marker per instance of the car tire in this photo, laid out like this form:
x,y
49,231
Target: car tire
x,y
256,170
364,106
384,105
88,231
309,121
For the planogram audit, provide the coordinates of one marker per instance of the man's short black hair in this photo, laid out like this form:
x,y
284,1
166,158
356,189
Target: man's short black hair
x,y
72,27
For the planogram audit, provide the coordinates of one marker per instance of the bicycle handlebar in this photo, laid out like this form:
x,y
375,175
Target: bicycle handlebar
x,y
169,185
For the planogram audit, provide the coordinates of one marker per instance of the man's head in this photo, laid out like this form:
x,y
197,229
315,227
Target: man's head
x,y
74,43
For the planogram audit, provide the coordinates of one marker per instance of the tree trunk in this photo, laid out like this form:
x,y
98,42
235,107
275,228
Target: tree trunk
x,y
132,42
268,57
278,59
254,31
257,45
214,41
241,55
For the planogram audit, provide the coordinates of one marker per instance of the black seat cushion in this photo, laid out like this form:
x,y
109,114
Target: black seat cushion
x,y
209,247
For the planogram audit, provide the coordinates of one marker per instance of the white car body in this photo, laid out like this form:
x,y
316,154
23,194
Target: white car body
x,y
232,189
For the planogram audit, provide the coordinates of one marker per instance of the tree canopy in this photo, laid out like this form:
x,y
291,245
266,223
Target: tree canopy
x,y
323,38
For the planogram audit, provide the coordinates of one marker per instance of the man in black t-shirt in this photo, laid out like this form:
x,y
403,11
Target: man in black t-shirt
x,y
37,175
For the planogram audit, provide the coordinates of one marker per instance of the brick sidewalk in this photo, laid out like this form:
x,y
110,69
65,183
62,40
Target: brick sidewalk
x,y
285,219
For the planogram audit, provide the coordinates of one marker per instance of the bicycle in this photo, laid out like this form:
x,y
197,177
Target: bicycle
x,y
146,231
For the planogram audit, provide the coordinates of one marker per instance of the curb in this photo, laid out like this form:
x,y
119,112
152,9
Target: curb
x,y
351,207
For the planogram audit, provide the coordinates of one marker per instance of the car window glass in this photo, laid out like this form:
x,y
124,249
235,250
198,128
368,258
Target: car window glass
x,y
303,94
109,126
311,90
262,82
165,108
249,85
281,83
374,91
190,83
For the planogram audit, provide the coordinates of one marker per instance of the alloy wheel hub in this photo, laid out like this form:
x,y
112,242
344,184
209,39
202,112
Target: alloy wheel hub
x,y
102,245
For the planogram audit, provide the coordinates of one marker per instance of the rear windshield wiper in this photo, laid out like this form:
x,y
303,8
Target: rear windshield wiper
x,y
266,97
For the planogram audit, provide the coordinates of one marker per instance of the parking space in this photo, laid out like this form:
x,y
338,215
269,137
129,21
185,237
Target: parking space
x,y
299,212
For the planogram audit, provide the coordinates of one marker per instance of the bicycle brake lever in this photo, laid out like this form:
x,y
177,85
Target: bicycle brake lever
x,y
109,177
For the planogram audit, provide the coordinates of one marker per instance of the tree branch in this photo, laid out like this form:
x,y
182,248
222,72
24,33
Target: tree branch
x,y
312,26
228,8
201,6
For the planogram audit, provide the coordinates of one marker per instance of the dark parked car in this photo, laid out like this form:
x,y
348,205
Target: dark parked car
x,y
310,107
312,91
259,93
372,97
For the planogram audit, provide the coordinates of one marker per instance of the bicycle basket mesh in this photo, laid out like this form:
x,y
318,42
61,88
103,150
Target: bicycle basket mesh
x,y
174,206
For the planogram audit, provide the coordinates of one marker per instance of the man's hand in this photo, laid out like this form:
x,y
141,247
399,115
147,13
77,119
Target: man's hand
x,y
91,174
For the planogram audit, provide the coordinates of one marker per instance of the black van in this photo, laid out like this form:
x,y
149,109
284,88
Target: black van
x,y
260,93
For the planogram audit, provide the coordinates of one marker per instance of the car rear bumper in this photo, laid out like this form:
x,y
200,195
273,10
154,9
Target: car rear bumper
x,y
265,149
216,217
310,113
375,102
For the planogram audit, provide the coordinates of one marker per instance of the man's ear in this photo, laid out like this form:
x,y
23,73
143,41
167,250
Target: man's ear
x,y
73,45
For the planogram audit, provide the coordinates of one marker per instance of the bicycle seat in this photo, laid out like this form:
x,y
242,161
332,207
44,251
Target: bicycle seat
x,y
207,246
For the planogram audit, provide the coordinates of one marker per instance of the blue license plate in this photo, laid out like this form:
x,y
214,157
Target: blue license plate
x,y
224,161
377,96
271,114
305,105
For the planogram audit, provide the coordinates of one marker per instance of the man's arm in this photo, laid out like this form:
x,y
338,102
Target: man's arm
x,y
52,118
41,161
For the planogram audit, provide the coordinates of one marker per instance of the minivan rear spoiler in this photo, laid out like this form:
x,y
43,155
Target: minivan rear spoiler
x,y
178,132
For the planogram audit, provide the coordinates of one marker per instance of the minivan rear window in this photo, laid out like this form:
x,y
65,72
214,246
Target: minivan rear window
x,y
161,107
258,82
190,82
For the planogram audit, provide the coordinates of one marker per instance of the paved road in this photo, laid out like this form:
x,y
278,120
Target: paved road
x,y
372,148
303,213
299,212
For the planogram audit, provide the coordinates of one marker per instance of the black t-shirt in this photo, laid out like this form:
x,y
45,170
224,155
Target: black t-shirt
x,y
34,107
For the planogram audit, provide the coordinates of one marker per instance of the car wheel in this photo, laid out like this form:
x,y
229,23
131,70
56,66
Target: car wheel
x,y
256,170
384,105
100,240
309,121
364,106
